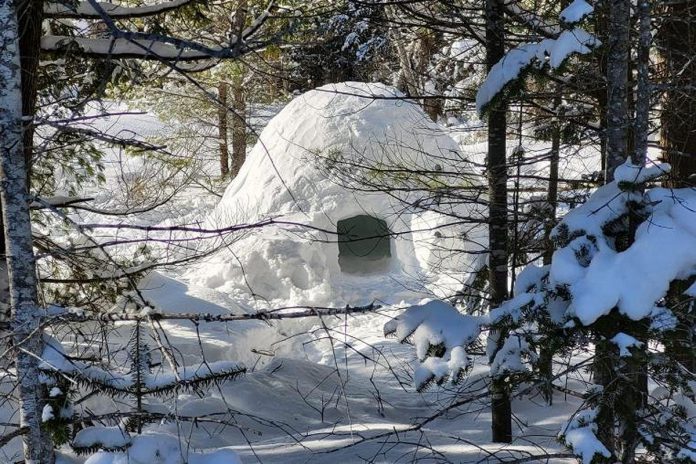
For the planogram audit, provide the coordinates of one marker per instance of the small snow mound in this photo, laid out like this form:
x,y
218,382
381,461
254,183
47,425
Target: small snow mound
x,y
102,437
156,448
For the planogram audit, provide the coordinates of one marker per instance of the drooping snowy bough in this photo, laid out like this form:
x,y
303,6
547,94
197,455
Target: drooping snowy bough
x,y
551,52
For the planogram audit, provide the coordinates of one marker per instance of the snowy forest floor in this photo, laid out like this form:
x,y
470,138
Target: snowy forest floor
x,y
319,391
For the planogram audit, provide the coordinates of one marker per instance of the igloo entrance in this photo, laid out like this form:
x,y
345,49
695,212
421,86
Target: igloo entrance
x,y
364,245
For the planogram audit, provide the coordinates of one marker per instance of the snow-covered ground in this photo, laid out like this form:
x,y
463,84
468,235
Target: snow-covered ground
x,y
317,390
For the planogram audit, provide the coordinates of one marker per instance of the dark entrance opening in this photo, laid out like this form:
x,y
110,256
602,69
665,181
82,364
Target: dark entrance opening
x,y
364,245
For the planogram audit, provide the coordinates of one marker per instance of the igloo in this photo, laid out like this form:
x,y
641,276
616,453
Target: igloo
x,y
338,241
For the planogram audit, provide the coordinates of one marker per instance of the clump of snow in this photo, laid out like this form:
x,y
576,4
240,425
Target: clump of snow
x,y
434,323
511,308
102,437
510,358
636,174
579,434
662,319
625,342
301,171
576,12
530,277
635,279
47,413
440,335
436,369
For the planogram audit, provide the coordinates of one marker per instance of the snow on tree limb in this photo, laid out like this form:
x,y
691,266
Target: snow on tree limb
x,y
440,335
155,48
553,52
580,435
576,12
597,275
84,10
130,44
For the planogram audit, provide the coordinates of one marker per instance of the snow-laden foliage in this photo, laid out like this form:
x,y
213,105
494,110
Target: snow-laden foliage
x,y
55,363
537,55
137,380
613,274
670,431
102,437
150,448
441,335
579,434
617,256
576,12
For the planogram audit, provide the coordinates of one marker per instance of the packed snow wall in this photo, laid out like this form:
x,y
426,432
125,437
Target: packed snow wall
x,y
341,163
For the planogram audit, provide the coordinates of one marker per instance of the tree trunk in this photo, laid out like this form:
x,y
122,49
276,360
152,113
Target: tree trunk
x,y
547,351
222,129
640,155
617,83
239,125
26,314
498,227
606,360
30,20
677,38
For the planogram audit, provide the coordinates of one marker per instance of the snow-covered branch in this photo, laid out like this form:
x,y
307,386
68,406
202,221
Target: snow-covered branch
x,y
84,10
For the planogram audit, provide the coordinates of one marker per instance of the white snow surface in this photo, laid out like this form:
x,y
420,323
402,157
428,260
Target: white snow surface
x,y
636,174
576,12
579,434
635,279
102,436
625,342
160,448
291,175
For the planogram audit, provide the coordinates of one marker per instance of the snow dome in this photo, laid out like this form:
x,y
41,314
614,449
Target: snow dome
x,y
338,167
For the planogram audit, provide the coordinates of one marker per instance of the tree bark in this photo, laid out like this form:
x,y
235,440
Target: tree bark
x,y
547,352
617,83
677,39
501,419
30,17
239,125
26,315
222,129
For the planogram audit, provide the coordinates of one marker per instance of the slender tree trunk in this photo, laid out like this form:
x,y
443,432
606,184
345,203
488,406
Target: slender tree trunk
x,y
27,335
640,154
617,83
222,129
501,419
239,124
606,363
547,351
677,38
30,17
5,311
